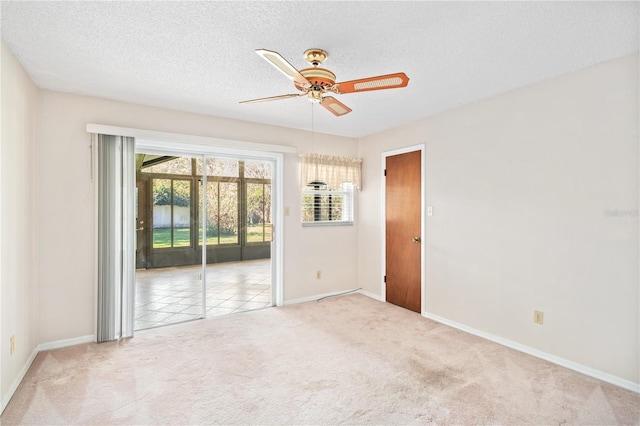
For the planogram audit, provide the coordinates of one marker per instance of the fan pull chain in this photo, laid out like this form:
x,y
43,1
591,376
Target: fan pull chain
x,y
312,138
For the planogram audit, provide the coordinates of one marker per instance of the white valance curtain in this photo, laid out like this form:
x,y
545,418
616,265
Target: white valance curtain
x,y
331,170
116,229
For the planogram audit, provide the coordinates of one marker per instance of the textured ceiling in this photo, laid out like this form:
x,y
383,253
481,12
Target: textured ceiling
x,y
199,56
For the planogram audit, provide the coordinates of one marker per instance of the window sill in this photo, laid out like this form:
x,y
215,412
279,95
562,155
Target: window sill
x,y
327,223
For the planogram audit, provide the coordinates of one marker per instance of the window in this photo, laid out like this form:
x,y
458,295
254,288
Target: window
x,y
257,169
165,164
222,213
258,212
324,206
328,185
219,167
238,201
171,213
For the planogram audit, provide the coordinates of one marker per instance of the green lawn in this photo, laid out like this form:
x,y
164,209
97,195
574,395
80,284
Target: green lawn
x,y
162,237
254,233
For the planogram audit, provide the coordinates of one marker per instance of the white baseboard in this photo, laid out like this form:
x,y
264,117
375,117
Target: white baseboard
x,y
18,379
66,342
41,347
597,374
371,295
320,296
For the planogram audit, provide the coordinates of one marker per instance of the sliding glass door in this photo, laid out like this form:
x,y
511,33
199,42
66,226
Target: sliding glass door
x,y
225,205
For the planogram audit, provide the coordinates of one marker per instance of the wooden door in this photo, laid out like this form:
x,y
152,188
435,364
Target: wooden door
x,y
402,230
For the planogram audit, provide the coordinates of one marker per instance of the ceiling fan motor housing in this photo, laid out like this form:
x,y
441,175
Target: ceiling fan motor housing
x,y
320,78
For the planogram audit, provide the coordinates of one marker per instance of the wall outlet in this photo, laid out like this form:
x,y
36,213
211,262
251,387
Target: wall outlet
x,y
12,345
538,317
318,275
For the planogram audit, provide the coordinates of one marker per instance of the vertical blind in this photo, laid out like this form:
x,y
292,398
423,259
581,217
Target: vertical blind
x,y
116,230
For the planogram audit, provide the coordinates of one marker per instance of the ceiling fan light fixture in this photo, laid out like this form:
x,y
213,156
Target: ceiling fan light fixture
x,y
315,96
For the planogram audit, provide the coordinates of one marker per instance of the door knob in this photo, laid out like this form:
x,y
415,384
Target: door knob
x,y
140,229
415,240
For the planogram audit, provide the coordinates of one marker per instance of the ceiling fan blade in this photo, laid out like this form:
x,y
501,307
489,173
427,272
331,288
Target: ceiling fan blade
x,y
275,59
334,106
272,98
389,81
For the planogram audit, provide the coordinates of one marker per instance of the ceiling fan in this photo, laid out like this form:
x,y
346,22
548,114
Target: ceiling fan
x,y
317,82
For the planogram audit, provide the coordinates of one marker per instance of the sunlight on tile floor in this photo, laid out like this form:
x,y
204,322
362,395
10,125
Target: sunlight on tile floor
x,y
170,295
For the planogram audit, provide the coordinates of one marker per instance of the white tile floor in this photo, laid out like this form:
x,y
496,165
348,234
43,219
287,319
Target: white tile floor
x,y
171,295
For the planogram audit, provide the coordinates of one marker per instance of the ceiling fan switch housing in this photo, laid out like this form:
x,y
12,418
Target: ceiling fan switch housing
x,y
315,96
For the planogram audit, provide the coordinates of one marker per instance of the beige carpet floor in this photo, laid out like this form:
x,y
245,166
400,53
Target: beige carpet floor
x,y
343,360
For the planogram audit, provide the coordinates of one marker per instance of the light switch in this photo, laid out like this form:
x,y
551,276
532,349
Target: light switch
x,y
429,211
286,211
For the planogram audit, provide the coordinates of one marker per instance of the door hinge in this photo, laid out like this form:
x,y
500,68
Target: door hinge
x,y
385,278
385,172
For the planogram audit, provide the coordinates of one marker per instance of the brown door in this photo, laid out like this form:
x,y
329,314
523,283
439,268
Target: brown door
x,y
403,196
142,225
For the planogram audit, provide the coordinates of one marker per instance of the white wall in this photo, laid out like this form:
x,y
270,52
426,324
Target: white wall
x,y
18,274
65,249
522,186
